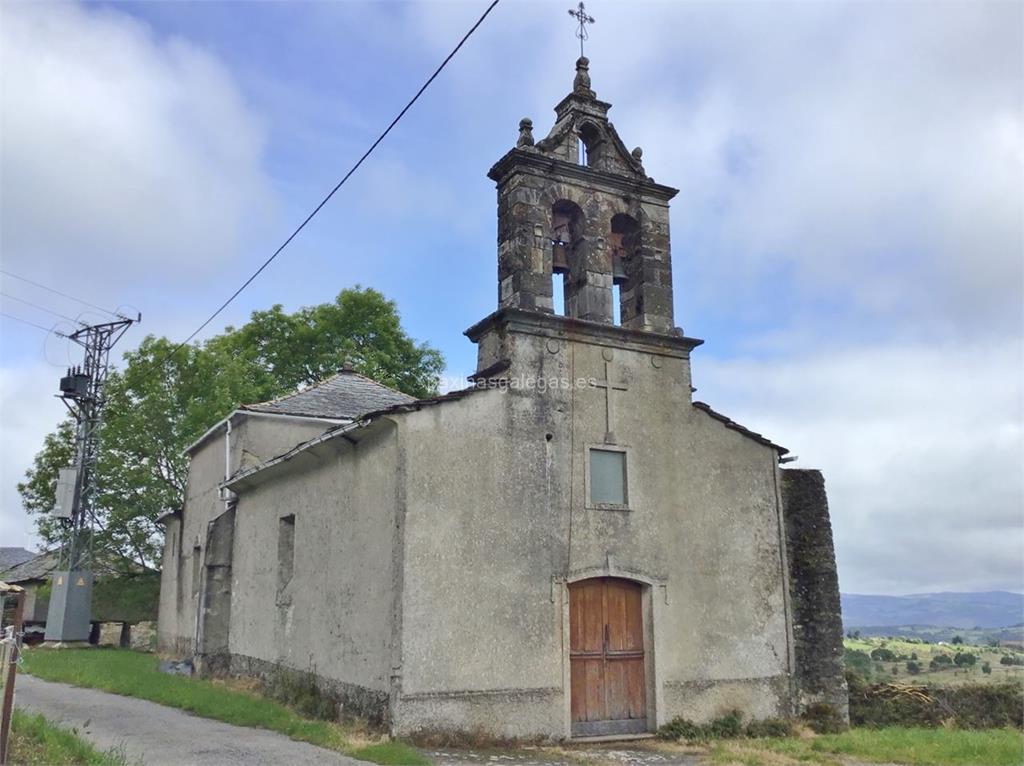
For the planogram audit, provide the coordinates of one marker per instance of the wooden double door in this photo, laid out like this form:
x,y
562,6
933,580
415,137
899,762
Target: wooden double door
x,y
606,657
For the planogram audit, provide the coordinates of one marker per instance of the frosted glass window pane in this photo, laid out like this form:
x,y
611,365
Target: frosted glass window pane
x,y
607,477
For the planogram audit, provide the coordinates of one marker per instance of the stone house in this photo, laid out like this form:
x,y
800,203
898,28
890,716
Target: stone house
x,y
571,546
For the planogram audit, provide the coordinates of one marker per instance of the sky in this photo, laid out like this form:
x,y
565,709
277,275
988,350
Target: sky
x,y
848,237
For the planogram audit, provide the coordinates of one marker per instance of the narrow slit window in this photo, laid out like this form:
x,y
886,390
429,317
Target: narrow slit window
x,y
285,550
607,477
616,305
197,558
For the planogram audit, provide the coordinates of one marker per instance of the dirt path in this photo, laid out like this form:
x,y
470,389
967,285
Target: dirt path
x,y
158,735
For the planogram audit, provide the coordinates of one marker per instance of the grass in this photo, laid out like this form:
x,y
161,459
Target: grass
x,y
913,747
133,674
34,740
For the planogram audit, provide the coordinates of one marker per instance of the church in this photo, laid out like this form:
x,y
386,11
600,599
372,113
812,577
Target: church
x,y
569,547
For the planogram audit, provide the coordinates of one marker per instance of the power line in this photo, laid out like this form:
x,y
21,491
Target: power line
x,y
58,292
30,324
340,183
41,308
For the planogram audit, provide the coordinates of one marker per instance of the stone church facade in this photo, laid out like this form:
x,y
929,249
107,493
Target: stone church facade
x,y
571,546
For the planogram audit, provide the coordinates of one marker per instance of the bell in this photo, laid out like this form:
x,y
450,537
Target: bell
x,y
559,259
618,269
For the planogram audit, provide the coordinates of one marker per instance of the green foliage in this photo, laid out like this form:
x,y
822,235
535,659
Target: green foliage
x,y
858,661
957,640
940,662
964,660
823,718
35,742
1008,659
728,726
770,727
164,398
986,668
969,706
883,655
135,674
127,598
913,668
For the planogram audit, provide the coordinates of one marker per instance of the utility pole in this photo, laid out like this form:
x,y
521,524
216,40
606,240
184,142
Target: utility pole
x,y
82,391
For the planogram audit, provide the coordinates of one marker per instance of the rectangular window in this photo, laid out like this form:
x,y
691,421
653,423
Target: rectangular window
x,y
285,550
607,477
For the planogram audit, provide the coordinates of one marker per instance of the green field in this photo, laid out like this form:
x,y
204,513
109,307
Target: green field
x,y
915,650
134,674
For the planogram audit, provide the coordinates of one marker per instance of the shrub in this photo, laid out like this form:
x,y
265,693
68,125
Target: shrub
x,y
770,727
913,668
858,661
970,706
986,668
964,660
728,726
883,655
1007,659
940,662
824,718
957,640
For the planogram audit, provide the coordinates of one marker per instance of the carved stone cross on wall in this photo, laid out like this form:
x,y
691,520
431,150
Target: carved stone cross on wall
x,y
609,410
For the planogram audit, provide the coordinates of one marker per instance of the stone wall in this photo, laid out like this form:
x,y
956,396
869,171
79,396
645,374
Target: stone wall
x,y
814,589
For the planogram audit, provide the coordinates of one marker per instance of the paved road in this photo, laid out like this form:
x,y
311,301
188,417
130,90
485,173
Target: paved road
x,y
158,735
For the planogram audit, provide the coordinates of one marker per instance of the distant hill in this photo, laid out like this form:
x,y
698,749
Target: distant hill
x,y
988,610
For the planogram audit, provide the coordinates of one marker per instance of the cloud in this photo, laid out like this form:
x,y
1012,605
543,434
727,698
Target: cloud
x,y
26,418
121,152
866,157
921,446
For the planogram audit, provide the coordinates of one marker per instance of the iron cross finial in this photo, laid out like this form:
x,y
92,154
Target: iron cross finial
x,y
580,14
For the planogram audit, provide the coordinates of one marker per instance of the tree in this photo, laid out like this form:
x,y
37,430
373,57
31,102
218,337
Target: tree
x,y
913,668
986,668
940,662
957,640
883,655
165,397
964,660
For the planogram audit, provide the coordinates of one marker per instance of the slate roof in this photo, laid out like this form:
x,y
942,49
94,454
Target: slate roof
x,y
36,568
345,396
40,566
11,557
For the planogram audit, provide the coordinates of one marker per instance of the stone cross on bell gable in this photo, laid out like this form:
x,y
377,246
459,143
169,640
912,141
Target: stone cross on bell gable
x,y
609,410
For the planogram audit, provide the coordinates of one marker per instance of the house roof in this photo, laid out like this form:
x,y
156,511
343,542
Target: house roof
x,y
737,427
11,557
348,430
39,567
345,396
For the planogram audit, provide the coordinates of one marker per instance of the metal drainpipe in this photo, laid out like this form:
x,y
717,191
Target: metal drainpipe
x,y
227,460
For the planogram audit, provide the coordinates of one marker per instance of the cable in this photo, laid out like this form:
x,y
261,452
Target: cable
x,y
340,183
58,292
30,324
41,308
